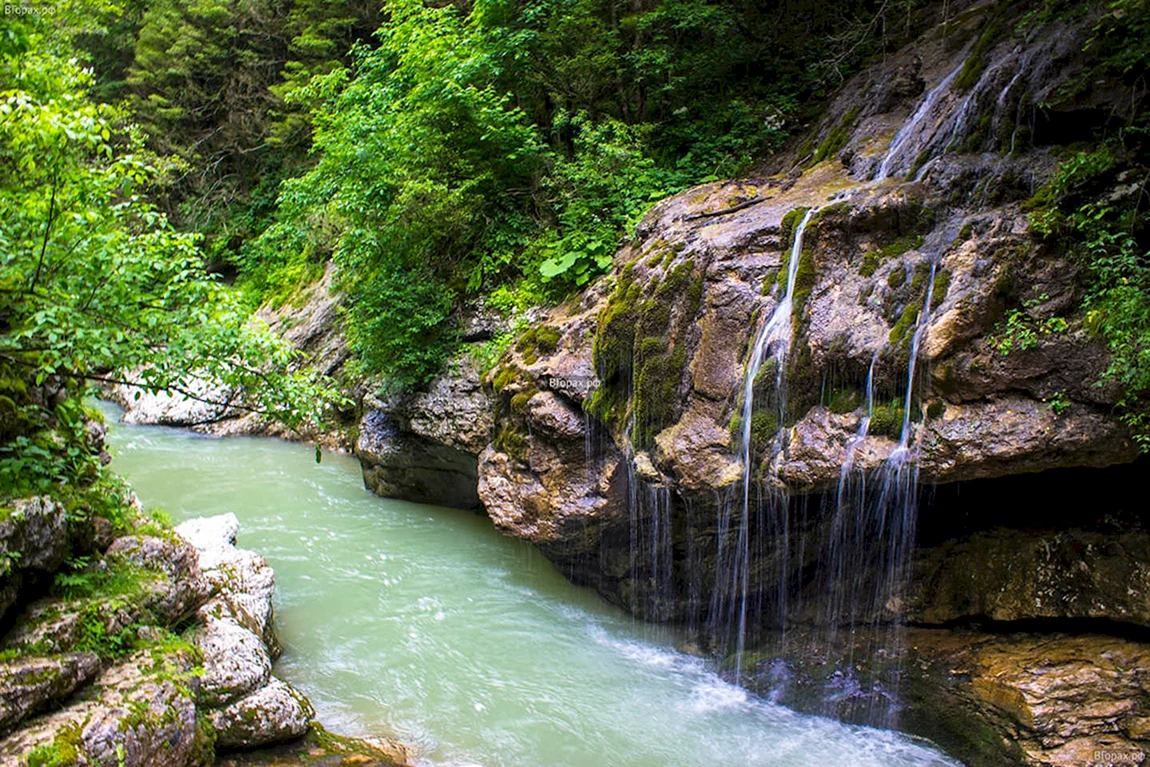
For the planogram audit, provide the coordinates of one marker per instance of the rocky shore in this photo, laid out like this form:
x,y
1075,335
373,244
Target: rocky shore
x,y
166,664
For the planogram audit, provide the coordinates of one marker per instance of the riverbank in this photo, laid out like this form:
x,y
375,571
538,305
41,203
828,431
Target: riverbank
x,y
125,641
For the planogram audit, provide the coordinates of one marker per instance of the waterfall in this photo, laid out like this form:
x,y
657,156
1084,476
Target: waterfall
x,y
732,590
909,128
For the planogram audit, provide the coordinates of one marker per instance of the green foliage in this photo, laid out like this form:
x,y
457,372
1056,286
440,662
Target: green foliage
x,y
93,277
843,401
939,289
1092,207
837,138
600,191
511,146
1060,403
63,751
764,427
1021,331
907,321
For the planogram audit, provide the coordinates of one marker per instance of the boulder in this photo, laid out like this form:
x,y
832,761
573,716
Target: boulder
x,y
274,713
33,543
243,582
236,661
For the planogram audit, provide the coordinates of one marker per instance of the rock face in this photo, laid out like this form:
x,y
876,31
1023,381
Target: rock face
x,y
1011,575
423,446
990,700
1058,701
923,249
32,683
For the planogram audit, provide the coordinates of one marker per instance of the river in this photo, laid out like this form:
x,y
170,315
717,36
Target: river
x,y
425,624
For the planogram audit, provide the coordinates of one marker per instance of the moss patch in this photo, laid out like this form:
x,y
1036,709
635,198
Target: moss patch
x,y
904,328
843,401
513,442
897,277
837,137
639,352
977,61
886,420
940,289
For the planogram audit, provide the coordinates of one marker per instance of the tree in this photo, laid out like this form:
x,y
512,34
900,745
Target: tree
x,y
94,282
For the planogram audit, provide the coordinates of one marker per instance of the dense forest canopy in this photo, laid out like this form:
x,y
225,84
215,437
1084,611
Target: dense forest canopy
x,y
499,149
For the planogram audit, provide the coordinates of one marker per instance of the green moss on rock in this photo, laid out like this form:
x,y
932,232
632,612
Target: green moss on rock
x,y
904,328
837,137
886,420
940,289
843,401
764,427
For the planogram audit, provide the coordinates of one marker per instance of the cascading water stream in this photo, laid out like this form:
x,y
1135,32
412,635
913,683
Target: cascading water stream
x,y
774,340
904,134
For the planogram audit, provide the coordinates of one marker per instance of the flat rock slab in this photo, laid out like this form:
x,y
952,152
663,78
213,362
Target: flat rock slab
x,y
29,684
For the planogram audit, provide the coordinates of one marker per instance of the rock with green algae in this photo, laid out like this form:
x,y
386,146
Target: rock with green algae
x,y
140,712
321,748
30,683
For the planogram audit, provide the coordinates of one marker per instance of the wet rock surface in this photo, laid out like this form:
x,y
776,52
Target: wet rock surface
x,y
1009,575
989,699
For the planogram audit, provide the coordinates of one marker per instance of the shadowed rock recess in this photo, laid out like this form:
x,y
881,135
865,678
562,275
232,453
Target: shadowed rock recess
x,y
1012,629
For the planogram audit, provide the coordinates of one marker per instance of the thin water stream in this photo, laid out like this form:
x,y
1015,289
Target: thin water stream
x,y
425,624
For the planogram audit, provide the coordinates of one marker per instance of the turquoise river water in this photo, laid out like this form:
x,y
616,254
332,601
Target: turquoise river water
x,y
427,625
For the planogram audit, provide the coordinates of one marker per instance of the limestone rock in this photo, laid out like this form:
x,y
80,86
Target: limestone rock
x,y
1056,701
236,661
182,587
29,683
171,588
247,705
33,543
243,582
138,713
274,713
399,464
1010,575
